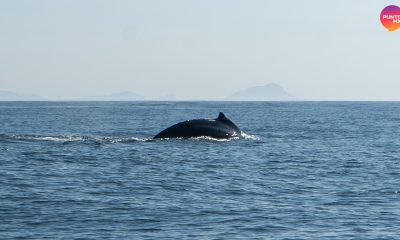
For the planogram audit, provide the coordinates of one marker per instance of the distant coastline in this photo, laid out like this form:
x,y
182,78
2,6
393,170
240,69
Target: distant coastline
x,y
12,96
268,92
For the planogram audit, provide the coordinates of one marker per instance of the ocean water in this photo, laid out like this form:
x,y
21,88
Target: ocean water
x,y
307,170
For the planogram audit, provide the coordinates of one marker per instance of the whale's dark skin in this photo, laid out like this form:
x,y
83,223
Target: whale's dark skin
x,y
220,128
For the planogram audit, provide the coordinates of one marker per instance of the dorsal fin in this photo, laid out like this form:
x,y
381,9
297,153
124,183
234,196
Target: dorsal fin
x,y
221,117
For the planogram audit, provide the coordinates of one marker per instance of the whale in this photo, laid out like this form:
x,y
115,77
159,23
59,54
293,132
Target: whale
x,y
219,128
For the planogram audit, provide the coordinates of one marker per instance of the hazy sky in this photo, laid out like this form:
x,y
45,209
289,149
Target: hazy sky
x,y
326,50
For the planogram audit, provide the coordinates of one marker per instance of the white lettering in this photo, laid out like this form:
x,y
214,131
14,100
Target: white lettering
x,y
390,17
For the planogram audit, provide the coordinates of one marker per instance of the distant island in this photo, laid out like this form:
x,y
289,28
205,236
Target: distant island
x,y
12,96
269,92
122,96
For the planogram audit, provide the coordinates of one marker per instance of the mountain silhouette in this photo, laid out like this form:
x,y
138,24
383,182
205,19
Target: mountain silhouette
x,y
12,96
269,92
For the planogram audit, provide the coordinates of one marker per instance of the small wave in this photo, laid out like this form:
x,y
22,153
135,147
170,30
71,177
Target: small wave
x,y
123,139
49,138
215,139
249,136
243,135
100,140
71,138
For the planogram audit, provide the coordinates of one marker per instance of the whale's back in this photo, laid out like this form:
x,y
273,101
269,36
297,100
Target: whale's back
x,y
198,128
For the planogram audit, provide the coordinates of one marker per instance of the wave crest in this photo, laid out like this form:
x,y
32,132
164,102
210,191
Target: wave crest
x,y
249,136
100,140
70,138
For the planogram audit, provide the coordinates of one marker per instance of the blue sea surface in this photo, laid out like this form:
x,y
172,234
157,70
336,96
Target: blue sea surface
x,y
306,170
